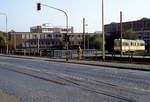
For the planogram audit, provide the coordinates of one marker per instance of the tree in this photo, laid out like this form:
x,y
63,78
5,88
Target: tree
x,y
12,31
2,39
96,42
130,34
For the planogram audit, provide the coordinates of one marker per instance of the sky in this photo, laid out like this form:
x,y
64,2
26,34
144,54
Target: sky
x,y
22,14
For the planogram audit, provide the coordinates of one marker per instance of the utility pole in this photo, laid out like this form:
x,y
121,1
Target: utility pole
x,y
38,41
6,39
121,37
103,32
84,33
38,36
88,41
7,33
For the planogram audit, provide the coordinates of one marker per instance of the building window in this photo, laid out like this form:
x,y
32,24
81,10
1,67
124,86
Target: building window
x,y
49,35
58,35
23,45
35,43
27,44
50,29
64,30
31,36
48,43
34,36
31,43
27,36
42,43
52,42
42,36
45,29
23,36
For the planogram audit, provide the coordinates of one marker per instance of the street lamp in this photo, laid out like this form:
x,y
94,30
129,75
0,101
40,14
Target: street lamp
x,y
6,32
121,37
103,32
83,37
39,8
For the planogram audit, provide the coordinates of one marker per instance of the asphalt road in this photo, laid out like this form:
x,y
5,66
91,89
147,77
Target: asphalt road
x,y
26,80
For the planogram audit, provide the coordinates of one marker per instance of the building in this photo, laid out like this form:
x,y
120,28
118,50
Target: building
x,y
45,37
139,25
28,40
48,28
142,27
42,41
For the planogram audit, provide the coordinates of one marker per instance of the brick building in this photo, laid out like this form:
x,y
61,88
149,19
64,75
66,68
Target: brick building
x,y
139,25
25,40
142,27
42,41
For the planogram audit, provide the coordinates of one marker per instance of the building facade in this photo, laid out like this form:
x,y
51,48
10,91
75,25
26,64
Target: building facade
x,y
139,25
24,40
48,28
45,37
142,27
44,41
28,40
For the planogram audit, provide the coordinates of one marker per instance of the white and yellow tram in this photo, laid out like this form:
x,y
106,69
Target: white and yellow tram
x,y
126,45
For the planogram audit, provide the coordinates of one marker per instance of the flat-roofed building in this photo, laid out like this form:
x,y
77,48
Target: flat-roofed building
x,y
28,40
46,37
48,28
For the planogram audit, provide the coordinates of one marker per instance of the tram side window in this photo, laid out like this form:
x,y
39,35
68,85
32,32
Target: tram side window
x,y
141,44
131,44
117,43
134,44
125,44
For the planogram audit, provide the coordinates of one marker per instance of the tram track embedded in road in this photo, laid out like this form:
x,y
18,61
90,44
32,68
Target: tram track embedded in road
x,y
72,83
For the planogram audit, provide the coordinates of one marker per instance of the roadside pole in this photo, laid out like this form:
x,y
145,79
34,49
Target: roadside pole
x,y
121,53
103,32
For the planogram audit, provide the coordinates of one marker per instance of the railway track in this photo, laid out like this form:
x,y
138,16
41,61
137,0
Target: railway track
x,y
74,82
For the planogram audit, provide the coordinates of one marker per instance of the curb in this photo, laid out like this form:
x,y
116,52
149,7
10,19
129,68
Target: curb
x,y
83,63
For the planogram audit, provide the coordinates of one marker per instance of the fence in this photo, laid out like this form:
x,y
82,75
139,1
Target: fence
x,y
72,53
54,53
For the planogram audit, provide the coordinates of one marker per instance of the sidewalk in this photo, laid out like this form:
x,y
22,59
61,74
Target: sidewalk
x,y
8,98
94,63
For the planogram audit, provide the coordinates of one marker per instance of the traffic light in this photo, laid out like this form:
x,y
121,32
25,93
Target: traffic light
x,y
38,6
65,37
68,38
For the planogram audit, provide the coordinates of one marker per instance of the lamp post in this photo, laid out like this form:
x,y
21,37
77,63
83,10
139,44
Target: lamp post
x,y
121,37
84,37
84,34
6,32
39,8
103,32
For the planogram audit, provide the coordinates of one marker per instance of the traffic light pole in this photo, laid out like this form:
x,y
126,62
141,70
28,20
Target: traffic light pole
x,y
39,4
